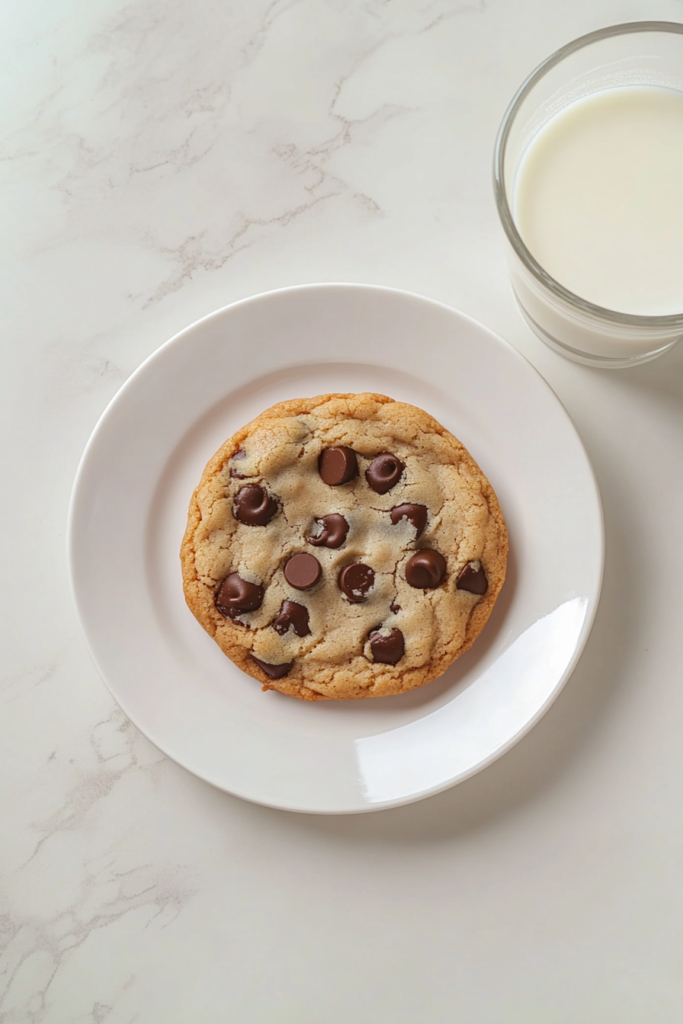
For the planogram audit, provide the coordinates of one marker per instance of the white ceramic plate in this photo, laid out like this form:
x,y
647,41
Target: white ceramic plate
x,y
128,515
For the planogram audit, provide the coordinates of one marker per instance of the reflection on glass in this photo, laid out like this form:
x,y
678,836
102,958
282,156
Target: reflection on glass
x,y
485,717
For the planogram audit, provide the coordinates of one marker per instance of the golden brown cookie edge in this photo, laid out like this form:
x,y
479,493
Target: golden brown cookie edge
x,y
209,617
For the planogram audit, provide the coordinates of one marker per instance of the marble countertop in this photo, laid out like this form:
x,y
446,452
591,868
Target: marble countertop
x,y
159,160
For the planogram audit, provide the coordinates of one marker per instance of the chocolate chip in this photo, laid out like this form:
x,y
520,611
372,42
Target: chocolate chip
x,y
294,615
426,569
333,533
241,454
387,649
384,472
473,579
302,571
415,514
356,580
337,465
395,608
235,596
254,506
273,671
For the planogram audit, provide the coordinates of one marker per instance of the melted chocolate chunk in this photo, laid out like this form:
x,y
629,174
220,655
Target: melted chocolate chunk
x,y
426,569
395,608
387,649
415,514
473,580
302,571
273,671
241,454
355,581
384,472
254,506
337,465
235,596
333,533
294,615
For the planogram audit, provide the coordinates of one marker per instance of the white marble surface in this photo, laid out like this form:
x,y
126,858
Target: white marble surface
x,y
158,160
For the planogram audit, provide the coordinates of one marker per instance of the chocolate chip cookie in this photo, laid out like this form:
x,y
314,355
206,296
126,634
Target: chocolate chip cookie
x,y
342,547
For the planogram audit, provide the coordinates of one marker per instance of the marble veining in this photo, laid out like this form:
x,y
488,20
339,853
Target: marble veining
x,y
37,945
165,111
159,158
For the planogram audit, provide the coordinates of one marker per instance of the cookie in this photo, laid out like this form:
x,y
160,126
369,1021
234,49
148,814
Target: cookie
x,y
343,547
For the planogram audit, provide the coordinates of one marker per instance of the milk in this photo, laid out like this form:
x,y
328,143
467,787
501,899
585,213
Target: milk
x,y
598,200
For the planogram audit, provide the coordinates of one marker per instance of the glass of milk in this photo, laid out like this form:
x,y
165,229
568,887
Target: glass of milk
x,y
588,177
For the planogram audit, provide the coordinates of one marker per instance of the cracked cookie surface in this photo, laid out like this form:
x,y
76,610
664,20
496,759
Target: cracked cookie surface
x,y
403,541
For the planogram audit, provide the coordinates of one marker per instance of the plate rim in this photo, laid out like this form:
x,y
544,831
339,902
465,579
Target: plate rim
x,y
593,600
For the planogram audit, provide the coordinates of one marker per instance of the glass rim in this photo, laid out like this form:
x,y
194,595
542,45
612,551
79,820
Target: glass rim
x,y
671,320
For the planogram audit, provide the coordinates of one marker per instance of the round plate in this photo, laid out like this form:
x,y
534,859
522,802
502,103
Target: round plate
x,y
128,514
